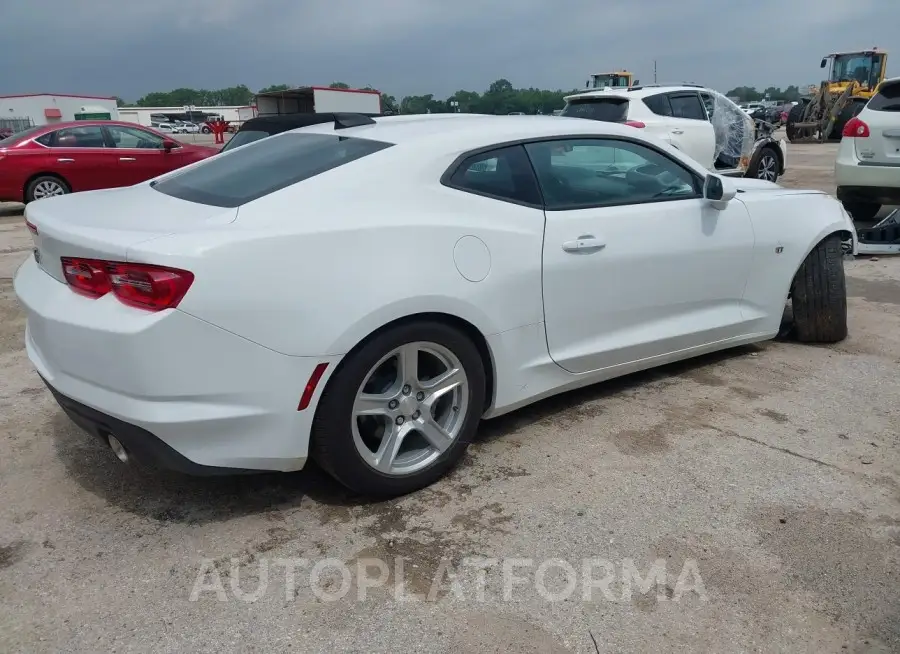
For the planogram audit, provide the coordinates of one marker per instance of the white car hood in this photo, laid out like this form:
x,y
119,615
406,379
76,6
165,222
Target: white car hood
x,y
750,185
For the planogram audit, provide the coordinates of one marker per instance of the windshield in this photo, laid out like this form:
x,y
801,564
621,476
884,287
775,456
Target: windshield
x,y
611,110
246,174
859,67
244,137
601,81
16,136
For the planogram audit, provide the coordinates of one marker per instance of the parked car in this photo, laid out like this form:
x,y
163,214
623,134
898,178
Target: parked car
x,y
165,128
867,169
248,312
698,121
86,155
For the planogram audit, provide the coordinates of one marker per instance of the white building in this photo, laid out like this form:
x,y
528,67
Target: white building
x,y
142,115
47,108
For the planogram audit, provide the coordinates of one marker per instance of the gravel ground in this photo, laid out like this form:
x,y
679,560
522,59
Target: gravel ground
x,y
763,483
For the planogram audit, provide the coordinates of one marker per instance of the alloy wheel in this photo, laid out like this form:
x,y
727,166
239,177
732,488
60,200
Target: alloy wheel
x,y
410,408
48,188
768,168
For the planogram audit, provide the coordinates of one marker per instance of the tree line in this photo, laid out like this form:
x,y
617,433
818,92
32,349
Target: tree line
x,y
501,97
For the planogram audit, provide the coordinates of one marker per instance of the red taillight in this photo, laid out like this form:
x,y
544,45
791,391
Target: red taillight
x,y
855,128
635,123
87,276
31,227
138,284
310,388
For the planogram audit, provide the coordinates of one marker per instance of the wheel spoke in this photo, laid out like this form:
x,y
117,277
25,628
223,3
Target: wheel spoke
x,y
442,384
371,405
390,446
434,433
408,364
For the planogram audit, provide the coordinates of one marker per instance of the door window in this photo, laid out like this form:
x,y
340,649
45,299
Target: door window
x,y
89,136
659,104
709,103
504,174
584,173
687,105
132,137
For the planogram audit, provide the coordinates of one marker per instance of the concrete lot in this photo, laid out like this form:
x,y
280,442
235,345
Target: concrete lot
x,y
768,478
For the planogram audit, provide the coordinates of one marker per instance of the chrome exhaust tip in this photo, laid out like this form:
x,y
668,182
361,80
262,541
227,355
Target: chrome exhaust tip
x,y
118,449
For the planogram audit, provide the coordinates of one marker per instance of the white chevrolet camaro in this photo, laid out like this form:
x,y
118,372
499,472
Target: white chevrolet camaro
x,y
365,291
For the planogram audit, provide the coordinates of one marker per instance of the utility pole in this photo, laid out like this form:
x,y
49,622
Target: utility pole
x,y
654,71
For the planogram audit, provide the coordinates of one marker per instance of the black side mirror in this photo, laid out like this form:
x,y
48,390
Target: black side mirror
x,y
824,62
714,189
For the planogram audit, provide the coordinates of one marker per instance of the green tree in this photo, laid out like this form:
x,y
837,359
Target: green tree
x,y
338,85
275,88
120,102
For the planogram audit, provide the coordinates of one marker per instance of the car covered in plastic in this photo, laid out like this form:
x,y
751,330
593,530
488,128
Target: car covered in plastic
x,y
697,120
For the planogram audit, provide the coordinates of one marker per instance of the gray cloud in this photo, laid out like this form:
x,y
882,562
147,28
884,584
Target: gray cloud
x,y
117,47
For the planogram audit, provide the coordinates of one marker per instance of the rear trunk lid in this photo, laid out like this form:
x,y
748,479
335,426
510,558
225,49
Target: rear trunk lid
x,y
105,224
882,115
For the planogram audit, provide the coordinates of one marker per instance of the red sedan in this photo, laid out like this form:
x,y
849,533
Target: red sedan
x,y
85,156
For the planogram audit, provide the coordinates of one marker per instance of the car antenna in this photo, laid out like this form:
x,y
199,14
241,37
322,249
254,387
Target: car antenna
x,y
343,121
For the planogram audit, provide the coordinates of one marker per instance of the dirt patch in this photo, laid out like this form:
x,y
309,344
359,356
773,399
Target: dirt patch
x,y
874,290
12,553
853,571
775,416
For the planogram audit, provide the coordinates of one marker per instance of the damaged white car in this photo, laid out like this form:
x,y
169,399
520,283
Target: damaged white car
x,y
699,121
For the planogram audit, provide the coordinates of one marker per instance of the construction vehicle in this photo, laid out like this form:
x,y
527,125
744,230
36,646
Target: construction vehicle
x,y
620,79
853,78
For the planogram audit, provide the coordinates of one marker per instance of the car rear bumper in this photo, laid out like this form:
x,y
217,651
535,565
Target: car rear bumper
x,y
178,391
860,181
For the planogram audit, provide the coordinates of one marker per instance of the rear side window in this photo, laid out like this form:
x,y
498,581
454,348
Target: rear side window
x,y
687,105
659,104
610,110
243,138
887,98
504,174
245,174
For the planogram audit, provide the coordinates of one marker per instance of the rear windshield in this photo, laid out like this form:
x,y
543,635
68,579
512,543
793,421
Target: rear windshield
x,y
887,99
9,140
271,164
244,137
611,110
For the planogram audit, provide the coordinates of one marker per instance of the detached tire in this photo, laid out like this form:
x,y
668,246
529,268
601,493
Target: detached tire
x,y
794,116
862,211
819,295
372,397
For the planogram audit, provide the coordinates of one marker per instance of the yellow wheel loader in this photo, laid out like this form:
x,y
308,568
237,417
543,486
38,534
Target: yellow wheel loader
x,y
853,78
620,79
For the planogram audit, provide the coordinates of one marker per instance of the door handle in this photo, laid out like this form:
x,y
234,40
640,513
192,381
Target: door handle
x,y
127,159
586,243
678,131
65,160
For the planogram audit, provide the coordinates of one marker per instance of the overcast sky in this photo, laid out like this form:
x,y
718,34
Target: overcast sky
x,y
402,47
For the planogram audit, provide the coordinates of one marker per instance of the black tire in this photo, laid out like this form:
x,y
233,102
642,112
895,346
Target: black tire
x,y
819,295
795,115
33,185
332,444
862,211
853,109
768,157
205,130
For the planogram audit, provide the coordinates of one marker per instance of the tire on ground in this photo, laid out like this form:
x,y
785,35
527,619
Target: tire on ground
x,y
32,185
753,168
862,211
794,116
819,295
331,443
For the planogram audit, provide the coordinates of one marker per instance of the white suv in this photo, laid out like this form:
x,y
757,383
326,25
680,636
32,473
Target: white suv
x,y
699,121
867,170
